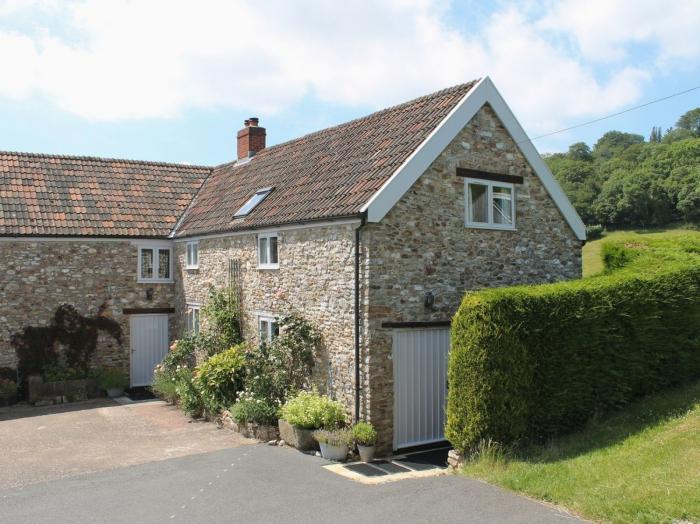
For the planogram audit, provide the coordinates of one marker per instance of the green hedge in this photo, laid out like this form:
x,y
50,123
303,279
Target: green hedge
x,y
530,362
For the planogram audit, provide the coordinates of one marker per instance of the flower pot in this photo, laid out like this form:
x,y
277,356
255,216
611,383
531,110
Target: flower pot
x,y
329,452
366,453
115,392
302,439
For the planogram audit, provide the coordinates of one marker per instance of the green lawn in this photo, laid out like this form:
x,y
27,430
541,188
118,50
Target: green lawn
x,y
593,264
641,465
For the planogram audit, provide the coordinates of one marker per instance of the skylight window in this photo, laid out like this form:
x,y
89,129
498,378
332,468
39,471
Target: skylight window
x,y
252,202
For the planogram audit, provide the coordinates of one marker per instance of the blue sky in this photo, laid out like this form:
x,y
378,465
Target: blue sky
x,y
173,80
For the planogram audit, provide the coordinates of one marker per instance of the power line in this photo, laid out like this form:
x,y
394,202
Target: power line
x,y
613,114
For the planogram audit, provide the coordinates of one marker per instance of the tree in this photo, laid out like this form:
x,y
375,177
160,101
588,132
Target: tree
x,y
676,135
580,151
690,121
614,142
655,136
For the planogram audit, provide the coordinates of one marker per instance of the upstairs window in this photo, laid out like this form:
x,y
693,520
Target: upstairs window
x,y
267,251
155,264
268,329
192,258
489,204
252,202
193,318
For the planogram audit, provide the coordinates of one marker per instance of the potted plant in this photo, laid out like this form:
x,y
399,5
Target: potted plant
x,y
113,381
306,412
365,436
334,443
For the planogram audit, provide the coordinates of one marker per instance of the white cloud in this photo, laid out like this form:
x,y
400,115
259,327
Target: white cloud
x,y
116,59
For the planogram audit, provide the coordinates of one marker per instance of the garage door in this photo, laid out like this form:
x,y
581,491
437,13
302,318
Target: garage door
x,y
149,345
420,385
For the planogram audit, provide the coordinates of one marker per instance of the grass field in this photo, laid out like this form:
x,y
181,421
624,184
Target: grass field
x,y
593,264
641,465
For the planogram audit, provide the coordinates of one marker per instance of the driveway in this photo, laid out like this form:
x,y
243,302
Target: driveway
x,y
54,442
145,462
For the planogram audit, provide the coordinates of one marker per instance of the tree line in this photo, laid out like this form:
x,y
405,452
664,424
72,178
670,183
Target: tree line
x,y
625,181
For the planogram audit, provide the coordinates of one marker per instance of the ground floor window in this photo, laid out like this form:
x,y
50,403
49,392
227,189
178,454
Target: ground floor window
x,y
268,329
193,318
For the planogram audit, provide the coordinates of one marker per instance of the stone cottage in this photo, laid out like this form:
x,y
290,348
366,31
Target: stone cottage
x,y
372,230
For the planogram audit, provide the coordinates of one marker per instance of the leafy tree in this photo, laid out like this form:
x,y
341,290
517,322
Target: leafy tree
x,y
614,142
690,121
580,151
676,135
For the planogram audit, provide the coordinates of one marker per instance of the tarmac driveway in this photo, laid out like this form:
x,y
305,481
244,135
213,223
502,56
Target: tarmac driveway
x,y
55,442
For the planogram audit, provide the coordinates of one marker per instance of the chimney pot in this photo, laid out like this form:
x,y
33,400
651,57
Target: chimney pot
x,y
251,139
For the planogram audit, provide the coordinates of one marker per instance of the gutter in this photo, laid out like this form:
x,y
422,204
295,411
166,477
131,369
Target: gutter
x,y
363,221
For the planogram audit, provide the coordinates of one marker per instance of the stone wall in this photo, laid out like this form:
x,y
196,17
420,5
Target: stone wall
x,y
315,278
423,245
93,276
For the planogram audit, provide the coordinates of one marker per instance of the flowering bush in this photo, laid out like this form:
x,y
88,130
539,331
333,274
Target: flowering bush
x,y
255,410
189,398
164,384
309,410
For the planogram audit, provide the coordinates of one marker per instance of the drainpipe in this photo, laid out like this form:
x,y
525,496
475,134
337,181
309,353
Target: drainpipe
x,y
357,316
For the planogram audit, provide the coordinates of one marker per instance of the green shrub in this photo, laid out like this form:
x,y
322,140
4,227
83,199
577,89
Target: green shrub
x,y
364,434
309,410
189,399
334,437
219,378
109,378
221,315
530,362
164,385
256,411
8,388
181,353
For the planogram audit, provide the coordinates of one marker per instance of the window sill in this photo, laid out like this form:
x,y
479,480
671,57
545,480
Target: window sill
x,y
268,266
155,280
190,268
493,227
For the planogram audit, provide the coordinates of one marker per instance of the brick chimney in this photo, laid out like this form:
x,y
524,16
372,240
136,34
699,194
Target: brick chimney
x,y
251,139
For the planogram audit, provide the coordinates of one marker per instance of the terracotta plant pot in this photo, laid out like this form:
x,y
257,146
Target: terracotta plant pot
x,y
366,453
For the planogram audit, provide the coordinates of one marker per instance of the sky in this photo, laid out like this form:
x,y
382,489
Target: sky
x,y
173,80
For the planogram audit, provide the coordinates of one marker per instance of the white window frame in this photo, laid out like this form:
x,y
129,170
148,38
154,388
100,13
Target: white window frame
x,y
155,279
270,319
490,186
192,248
194,318
268,236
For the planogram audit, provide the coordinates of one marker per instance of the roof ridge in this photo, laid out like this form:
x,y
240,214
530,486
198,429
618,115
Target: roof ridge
x,y
105,159
440,92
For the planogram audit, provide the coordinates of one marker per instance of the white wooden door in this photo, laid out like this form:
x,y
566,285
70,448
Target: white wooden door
x,y
420,385
149,345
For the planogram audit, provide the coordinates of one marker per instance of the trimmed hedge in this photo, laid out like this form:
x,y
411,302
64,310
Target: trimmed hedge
x,y
530,362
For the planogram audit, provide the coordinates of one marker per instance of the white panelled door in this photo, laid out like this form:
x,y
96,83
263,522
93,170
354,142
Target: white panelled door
x,y
149,345
420,385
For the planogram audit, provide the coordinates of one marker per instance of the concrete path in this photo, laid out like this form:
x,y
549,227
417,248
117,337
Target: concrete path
x,y
261,483
39,444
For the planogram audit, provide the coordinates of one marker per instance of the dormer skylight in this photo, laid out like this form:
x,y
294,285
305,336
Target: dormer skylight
x,y
253,202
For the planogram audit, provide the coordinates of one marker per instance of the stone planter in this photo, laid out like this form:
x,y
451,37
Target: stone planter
x,y
302,439
337,453
259,432
366,453
61,391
